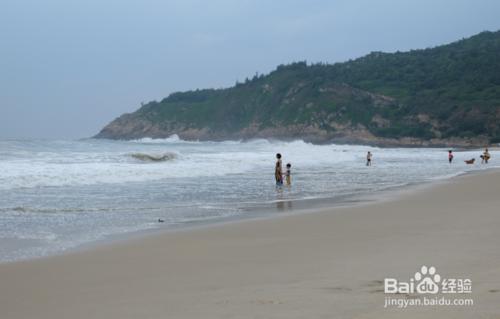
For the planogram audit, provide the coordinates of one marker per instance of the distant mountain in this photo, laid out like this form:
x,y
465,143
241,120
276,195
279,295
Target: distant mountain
x,y
447,95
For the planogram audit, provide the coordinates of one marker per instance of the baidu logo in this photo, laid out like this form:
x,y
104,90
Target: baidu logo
x,y
427,281
422,289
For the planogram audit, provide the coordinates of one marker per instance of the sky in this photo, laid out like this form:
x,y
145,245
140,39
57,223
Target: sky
x,y
69,67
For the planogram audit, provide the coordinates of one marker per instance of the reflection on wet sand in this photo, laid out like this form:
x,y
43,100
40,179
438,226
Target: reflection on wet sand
x,y
281,203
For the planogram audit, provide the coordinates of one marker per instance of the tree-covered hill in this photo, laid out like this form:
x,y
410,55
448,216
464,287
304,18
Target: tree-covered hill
x,y
444,95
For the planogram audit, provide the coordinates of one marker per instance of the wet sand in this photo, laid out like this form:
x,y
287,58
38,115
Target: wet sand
x,y
326,264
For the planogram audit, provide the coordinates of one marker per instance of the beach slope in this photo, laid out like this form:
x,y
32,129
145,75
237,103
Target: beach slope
x,y
327,264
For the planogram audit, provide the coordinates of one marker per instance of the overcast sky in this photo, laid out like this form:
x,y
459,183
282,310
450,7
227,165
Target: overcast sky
x,y
69,67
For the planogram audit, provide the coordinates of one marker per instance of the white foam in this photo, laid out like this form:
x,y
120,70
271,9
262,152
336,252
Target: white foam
x,y
103,162
169,140
203,181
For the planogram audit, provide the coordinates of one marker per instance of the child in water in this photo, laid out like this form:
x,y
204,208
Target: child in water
x,y
369,159
450,156
288,174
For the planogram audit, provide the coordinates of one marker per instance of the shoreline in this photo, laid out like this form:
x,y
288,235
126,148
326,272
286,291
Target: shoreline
x,y
458,144
329,263
265,211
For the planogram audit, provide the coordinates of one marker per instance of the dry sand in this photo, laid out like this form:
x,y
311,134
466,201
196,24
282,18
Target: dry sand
x,y
327,264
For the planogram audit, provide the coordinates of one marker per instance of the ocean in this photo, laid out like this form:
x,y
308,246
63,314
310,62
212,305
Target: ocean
x,y
58,195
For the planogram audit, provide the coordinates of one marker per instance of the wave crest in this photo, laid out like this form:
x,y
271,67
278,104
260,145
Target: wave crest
x,y
153,157
172,139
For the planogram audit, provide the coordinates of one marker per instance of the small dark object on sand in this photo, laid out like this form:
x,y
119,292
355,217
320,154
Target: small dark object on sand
x,y
160,220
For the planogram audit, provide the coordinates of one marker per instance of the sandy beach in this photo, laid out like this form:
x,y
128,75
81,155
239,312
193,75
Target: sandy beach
x,y
326,264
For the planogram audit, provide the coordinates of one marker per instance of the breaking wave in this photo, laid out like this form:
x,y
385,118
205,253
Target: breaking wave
x,y
154,157
173,139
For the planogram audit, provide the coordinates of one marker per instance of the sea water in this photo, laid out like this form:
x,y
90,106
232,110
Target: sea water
x,y
56,195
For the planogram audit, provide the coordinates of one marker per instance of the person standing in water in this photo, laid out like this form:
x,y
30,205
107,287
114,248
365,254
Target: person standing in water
x,y
369,159
486,156
278,171
288,174
450,156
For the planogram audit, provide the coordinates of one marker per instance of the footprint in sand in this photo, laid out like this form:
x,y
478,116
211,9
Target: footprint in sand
x,y
376,286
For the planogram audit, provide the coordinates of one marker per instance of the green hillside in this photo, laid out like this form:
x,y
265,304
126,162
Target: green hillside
x,y
442,93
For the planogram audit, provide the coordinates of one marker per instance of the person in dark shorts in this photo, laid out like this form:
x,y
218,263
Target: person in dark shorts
x,y
278,171
450,156
369,158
